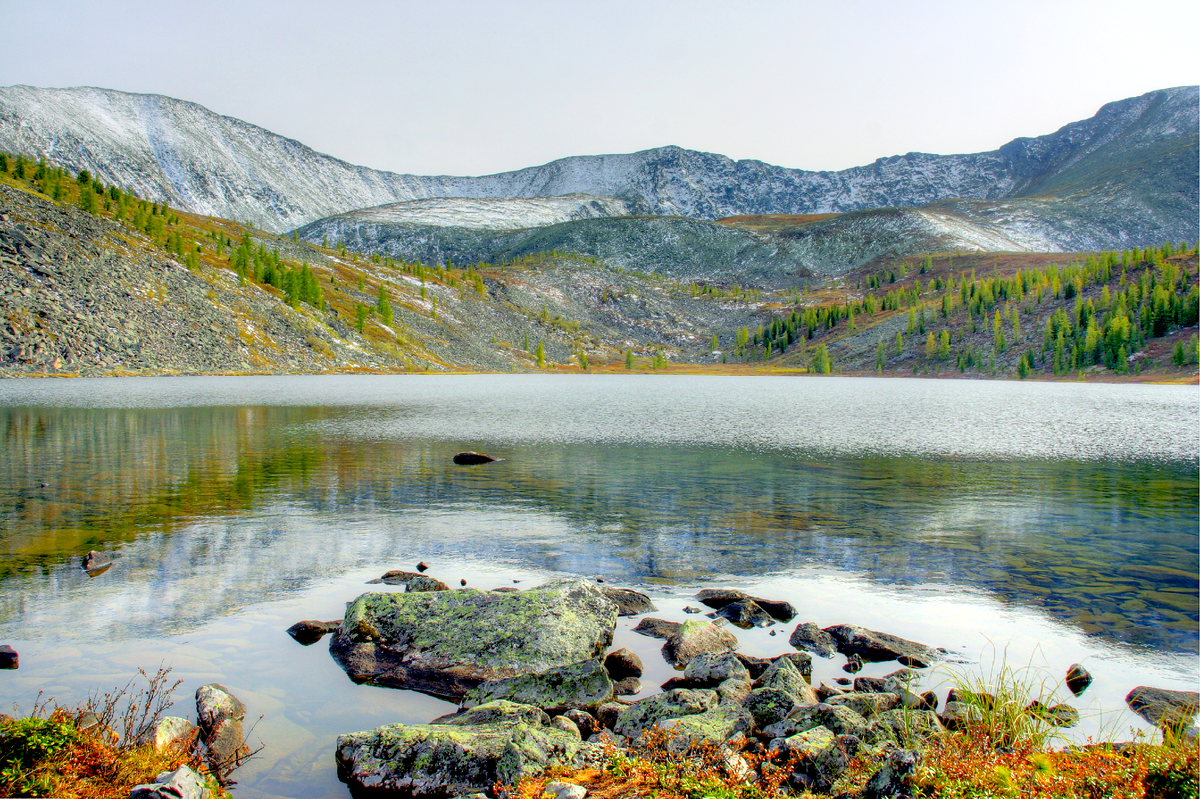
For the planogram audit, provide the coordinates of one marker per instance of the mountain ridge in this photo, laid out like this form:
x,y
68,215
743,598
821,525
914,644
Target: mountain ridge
x,y
183,153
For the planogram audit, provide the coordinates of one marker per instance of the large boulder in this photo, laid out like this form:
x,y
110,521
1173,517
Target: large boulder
x,y
874,646
745,613
714,726
768,705
1163,707
674,704
452,759
784,676
696,638
718,598
838,719
585,686
445,643
896,777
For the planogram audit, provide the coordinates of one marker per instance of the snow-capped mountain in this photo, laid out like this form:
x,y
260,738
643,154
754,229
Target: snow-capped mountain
x,y
1140,154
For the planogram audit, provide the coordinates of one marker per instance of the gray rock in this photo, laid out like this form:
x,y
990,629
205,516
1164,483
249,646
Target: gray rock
x,y
695,638
439,760
646,713
609,738
564,790
623,663
309,631
172,730
447,642
904,727
710,669
812,638
220,714
1163,707
839,719
1078,679
783,675
895,778
585,722
768,705
608,713
745,613
182,783
803,744
714,726
866,705
896,683
875,646
496,712
566,725
413,581
630,602
584,685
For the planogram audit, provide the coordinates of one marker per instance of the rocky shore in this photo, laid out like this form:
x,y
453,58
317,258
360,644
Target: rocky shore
x,y
538,687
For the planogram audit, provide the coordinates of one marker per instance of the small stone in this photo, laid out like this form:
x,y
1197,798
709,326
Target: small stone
x,y
424,567
1078,679
691,610
462,581
812,638
182,783
172,729
566,725
585,722
629,602
854,664
623,663
8,657
627,686
563,790
608,713
308,632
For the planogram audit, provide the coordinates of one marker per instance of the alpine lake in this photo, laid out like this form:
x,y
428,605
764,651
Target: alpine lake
x,y
1032,525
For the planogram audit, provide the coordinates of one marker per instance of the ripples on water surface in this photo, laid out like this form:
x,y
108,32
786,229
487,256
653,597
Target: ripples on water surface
x,y
1058,521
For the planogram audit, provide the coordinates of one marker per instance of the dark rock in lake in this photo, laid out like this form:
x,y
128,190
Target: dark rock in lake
x,y
812,638
308,632
463,582
718,598
843,681
1062,716
1078,679
93,561
220,716
507,589
694,638
445,643
657,628
412,581
1163,707
461,757
584,685
854,664
876,646
623,663
896,777
691,611
584,721
422,567
473,458
8,657
630,602
745,613
627,686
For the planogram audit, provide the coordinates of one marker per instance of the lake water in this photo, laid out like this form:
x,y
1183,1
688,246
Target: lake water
x,y
1037,524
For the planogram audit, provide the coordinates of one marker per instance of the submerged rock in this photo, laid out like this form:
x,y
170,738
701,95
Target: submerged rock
x,y
445,643
875,646
453,759
657,628
94,561
585,686
630,602
309,631
473,458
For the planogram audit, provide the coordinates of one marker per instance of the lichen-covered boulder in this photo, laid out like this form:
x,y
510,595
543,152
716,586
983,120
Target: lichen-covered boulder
x,y
803,744
182,783
783,675
673,704
864,704
838,719
695,638
714,726
220,714
439,760
585,685
768,705
445,643
904,727
710,669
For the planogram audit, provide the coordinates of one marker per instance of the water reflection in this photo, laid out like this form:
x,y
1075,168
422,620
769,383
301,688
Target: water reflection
x,y
210,509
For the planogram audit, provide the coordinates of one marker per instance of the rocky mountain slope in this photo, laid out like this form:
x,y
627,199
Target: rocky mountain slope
x,y
1139,154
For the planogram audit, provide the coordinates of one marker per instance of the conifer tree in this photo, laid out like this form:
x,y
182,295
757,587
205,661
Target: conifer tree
x,y
540,355
384,306
821,364
629,359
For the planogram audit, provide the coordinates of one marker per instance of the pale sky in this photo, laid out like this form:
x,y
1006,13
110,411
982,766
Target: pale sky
x,y
468,87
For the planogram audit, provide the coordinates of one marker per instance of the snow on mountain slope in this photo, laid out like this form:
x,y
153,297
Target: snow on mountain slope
x,y
491,213
1141,151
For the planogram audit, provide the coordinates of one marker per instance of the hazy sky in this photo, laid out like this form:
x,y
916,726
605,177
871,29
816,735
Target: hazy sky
x,y
478,87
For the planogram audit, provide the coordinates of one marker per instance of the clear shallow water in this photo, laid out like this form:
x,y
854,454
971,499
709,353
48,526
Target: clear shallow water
x,y
1057,521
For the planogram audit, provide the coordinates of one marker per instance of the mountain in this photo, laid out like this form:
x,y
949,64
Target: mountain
x,y
1136,156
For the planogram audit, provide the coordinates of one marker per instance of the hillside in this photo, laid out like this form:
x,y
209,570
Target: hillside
x,y
95,281
1138,156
